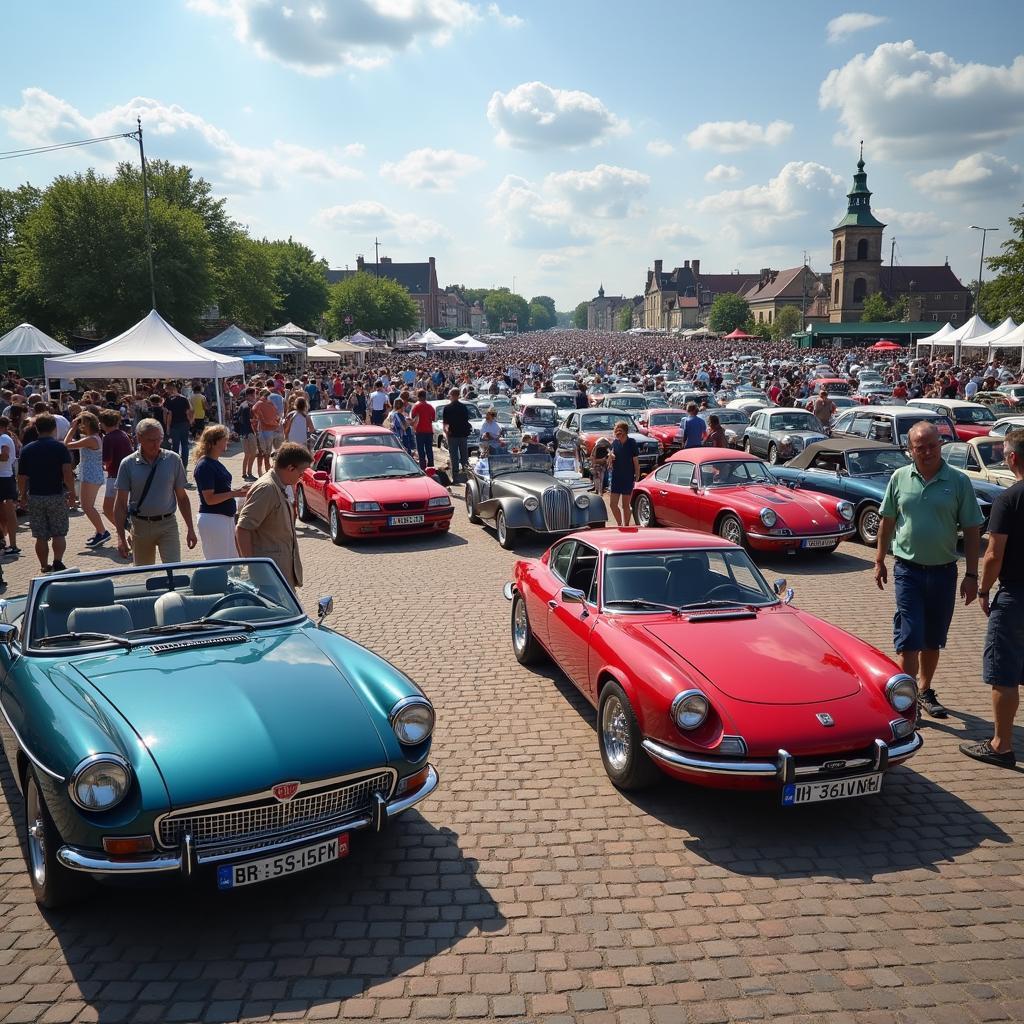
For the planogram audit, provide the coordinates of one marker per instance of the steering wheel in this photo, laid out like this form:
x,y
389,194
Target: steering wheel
x,y
240,598
729,589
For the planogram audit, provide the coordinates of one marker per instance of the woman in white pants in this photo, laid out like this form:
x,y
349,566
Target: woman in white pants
x,y
216,496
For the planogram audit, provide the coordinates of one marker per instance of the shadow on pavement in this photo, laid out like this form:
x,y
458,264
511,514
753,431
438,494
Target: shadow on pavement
x,y
850,557
315,531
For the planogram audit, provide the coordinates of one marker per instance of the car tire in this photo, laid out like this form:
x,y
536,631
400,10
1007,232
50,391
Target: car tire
x,y
773,455
53,885
302,509
868,522
525,645
471,506
746,445
506,535
619,738
334,525
731,529
643,511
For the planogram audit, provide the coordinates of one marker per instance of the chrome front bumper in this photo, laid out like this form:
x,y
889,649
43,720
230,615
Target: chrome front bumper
x,y
783,767
787,538
186,859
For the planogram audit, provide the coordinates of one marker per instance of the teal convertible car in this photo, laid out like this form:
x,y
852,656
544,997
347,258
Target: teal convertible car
x,y
191,721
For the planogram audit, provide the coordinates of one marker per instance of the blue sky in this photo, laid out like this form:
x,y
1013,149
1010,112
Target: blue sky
x,y
559,144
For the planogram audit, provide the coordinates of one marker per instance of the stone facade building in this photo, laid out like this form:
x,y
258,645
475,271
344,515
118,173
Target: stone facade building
x,y
603,311
419,279
682,298
799,287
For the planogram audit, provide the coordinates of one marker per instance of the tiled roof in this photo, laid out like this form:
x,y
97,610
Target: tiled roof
x,y
722,284
896,281
415,277
786,283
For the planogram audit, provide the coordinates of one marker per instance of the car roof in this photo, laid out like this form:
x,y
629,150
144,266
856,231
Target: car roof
x,y
651,412
650,538
699,456
786,408
953,403
363,449
345,429
902,410
839,444
1017,418
525,400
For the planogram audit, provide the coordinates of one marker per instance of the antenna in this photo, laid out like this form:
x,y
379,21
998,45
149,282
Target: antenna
x,y
376,256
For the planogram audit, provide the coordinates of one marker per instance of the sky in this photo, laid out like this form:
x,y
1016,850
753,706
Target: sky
x,y
546,146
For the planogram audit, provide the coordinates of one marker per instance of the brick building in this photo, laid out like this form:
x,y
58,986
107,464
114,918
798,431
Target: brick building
x,y
603,311
419,279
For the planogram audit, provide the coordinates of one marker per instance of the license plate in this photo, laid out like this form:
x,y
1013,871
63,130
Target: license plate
x,y
838,789
234,876
819,542
404,520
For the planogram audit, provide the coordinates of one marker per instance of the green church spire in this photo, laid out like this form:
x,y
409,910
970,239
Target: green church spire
x,y
858,211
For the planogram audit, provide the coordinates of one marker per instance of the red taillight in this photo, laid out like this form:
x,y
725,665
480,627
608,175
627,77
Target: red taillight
x,y
125,846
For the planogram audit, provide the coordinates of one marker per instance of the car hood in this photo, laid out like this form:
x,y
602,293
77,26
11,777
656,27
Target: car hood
x,y
590,437
792,663
808,436
273,709
522,484
410,488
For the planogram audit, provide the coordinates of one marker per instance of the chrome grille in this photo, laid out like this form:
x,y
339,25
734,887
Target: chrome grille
x,y
556,505
251,824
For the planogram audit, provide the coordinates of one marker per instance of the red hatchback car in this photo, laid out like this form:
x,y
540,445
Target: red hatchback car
x,y
371,491
733,494
700,669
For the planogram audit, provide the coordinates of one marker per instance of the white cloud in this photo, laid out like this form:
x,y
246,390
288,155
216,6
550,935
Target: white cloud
x,y
436,169
675,233
735,136
723,172
659,147
802,193
324,37
536,116
373,218
855,21
508,20
982,175
907,103
175,134
606,192
915,223
530,219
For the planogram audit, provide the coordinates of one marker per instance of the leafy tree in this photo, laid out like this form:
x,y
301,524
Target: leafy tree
x,y
786,322
624,319
1004,296
504,305
301,282
728,312
247,282
15,205
579,316
541,316
470,295
759,328
877,310
375,304
547,302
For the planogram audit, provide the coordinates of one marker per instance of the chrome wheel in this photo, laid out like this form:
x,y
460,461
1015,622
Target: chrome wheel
x,y
773,454
644,512
731,530
300,504
36,836
520,627
867,525
615,734
334,525
501,528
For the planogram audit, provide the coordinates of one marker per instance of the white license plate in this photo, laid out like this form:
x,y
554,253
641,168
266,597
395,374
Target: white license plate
x,y
818,542
838,789
233,876
404,520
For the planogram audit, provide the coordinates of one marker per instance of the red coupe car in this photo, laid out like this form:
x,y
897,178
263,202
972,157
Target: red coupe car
x,y
362,435
733,494
700,669
663,426
371,491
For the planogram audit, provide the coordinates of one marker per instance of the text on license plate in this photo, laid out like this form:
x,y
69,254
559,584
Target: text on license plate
x,y
231,876
819,542
404,520
838,789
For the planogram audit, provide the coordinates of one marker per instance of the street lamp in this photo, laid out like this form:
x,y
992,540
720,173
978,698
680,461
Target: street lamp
x,y
981,262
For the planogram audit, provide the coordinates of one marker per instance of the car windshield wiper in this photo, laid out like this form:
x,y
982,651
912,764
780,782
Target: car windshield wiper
x,y
640,602
184,627
720,604
101,638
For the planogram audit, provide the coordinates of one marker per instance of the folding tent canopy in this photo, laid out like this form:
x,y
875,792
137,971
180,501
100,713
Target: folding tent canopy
x,y
317,354
1012,339
233,340
939,337
361,338
24,348
152,348
431,339
974,328
289,330
992,339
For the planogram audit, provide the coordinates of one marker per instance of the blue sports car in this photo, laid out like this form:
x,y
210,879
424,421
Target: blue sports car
x,y
190,720
858,469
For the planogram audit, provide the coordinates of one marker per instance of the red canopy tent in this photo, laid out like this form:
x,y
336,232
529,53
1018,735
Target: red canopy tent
x,y
739,335
884,345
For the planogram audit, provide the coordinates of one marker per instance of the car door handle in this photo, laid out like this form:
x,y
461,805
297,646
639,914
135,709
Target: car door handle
x,y
663,493
552,603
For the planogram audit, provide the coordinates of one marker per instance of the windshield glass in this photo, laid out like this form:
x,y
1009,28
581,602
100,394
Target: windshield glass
x,y
991,454
832,387
864,463
126,607
680,578
499,465
605,421
388,462
974,414
563,401
388,440
795,421
942,425
729,417
665,419
323,420
734,473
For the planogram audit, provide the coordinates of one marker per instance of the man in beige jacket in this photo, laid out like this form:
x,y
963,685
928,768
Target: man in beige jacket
x,y
266,527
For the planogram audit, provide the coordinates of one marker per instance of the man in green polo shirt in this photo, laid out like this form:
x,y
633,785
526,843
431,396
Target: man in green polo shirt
x,y
926,504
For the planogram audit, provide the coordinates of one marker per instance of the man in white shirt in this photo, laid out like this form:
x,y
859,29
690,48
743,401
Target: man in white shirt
x,y
8,490
971,389
378,403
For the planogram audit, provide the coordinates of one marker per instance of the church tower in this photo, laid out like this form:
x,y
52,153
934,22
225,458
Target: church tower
x,y
856,253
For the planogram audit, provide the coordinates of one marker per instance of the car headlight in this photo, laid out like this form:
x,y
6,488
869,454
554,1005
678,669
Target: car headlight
x,y
786,441
582,501
797,442
845,510
441,501
365,506
901,692
531,504
100,782
412,720
690,709
768,517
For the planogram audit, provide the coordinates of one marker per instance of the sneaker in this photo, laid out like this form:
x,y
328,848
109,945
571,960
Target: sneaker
x,y
93,541
58,567
984,752
100,538
928,701
11,550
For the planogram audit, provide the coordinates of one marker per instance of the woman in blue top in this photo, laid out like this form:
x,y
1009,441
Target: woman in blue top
x,y
625,459
216,523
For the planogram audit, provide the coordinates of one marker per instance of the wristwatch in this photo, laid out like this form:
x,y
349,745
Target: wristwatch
x,y
970,575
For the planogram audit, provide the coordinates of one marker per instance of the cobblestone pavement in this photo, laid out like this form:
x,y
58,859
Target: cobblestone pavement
x,y
529,889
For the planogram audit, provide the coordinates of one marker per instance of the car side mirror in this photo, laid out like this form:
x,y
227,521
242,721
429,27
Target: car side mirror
x,y
694,486
320,477
784,593
570,595
324,607
8,635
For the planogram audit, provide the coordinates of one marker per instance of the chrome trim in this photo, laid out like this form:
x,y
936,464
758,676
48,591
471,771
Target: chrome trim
x,y
677,759
188,855
508,590
28,753
102,864
786,771
679,698
804,536
411,701
88,762
396,807
898,677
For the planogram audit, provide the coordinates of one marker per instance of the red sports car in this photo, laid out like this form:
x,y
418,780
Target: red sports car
x,y
734,494
698,668
362,435
371,491
663,426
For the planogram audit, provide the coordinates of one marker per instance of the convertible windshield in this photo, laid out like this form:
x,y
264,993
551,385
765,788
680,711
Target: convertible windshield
x,y
71,613
323,420
734,473
795,421
605,421
991,453
729,417
666,419
374,465
883,460
644,581
941,424
973,414
499,465
540,416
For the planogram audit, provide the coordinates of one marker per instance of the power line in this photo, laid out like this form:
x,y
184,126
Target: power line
x,y
12,154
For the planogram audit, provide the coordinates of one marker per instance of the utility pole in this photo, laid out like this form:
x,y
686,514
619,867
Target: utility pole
x,y
145,206
803,297
981,263
376,256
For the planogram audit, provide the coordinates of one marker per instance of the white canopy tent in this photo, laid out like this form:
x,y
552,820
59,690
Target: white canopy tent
x,y
974,328
991,340
448,346
431,339
317,354
474,345
152,348
290,330
939,337
26,340
233,339
1011,339
367,340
